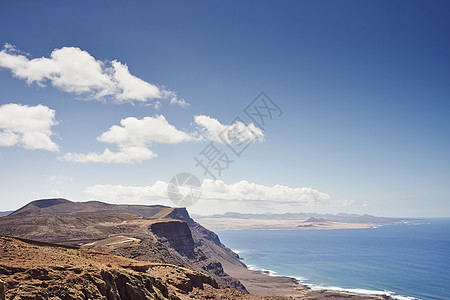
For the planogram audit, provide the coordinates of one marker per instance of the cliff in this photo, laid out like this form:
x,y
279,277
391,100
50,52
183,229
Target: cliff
x,y
205,239
147,233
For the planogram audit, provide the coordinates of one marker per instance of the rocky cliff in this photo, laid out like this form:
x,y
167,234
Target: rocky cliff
x,y
205,239
147,233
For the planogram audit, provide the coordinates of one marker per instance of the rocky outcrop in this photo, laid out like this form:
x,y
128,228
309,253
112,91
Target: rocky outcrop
x,y
206,240
31,270
177,234
180,237
45,283
209,245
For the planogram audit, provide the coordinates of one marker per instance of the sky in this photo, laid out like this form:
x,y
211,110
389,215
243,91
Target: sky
x,y
274,106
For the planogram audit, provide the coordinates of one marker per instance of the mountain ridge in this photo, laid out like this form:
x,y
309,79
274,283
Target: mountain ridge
x,y
340,217
55,206
157,228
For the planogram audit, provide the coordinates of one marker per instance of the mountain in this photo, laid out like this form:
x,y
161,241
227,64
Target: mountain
x,y
315,220
152,233
5,213
341,217
59,206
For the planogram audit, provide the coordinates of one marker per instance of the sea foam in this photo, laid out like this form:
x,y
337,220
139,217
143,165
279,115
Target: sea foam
x,y
316,287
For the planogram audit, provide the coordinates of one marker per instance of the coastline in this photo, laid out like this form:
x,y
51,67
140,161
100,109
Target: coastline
x,y
266,283
263,282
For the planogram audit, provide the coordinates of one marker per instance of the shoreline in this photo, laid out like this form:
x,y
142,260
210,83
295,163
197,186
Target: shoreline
x,y
264,282
260,283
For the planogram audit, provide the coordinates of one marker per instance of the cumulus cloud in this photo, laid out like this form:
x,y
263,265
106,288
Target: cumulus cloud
x,y
125,155
131,194
73,70
237,131
144,131
222,194
133,138
248,191
27,126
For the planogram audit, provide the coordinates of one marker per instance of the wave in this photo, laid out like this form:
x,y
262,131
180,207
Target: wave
x,y
316,287
393,295
265,271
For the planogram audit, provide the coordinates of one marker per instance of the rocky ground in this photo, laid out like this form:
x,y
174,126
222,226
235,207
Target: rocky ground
x,y
34,270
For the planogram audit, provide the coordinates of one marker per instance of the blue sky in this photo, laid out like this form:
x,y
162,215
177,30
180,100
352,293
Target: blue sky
x,y
363,85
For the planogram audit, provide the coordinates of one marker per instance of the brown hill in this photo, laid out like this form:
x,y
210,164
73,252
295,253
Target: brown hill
x,y
59,206
149,233
31,270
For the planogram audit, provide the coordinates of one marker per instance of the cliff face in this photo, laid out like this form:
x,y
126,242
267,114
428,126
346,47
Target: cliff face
x,y
169,235
177,235
206,240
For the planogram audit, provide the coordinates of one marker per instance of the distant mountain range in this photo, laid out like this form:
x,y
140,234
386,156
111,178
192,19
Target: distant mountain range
x,y
5,213
341,217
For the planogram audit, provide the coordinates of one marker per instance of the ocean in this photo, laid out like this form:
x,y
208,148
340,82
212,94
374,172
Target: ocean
x,y
404,261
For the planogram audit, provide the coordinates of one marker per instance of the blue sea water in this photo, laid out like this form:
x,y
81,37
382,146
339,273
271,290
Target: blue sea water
x,y
406,261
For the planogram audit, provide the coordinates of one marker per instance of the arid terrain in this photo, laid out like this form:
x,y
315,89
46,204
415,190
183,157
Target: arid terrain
x,y
31,270
127,252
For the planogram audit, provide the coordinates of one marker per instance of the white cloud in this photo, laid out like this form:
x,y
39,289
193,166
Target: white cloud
x,y
144,131
175,100
247,191
218,194
213,130
347,202
128,155
132,138
8,138
73,70
59,179
130,194
27,126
